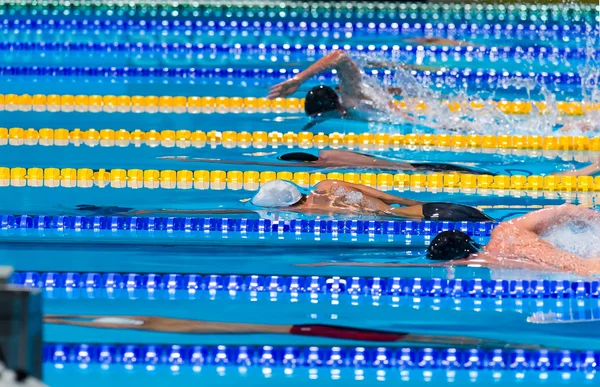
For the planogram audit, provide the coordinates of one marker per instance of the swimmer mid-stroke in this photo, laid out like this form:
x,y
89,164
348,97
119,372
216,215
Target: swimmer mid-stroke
x,y
175,325
357,100
514,244
329,197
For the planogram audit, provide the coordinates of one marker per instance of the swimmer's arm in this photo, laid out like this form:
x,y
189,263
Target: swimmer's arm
x,y
590,170
191,212
384,197
347,71
217,161
540,221
375,264
395,65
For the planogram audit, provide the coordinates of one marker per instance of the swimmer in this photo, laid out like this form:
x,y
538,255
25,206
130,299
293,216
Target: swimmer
x,y
329,197
356,100
590,170
341,159
175,325
515,244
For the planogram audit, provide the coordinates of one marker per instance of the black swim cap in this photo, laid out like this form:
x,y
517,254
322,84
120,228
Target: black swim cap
x,y
321,99
298,156
451,245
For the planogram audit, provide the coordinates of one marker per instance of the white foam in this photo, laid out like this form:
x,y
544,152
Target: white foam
x,y
581,238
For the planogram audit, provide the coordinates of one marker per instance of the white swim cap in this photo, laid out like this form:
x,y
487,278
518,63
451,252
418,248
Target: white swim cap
x,y
277,193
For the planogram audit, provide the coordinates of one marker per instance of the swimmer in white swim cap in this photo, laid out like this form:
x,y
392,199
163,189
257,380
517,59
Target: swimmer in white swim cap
x,y
519,243
329,197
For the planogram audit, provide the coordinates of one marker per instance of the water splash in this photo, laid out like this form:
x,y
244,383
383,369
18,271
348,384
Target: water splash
x,y
581,238
487,119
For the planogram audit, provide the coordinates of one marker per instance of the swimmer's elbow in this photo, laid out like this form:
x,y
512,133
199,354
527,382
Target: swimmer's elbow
x,y
342,57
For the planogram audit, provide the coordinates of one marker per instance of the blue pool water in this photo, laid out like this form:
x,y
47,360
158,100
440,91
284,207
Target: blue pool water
x,y
270,272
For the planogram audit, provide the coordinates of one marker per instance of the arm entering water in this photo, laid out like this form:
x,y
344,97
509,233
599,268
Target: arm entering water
x,y
540,221
591,169
347,71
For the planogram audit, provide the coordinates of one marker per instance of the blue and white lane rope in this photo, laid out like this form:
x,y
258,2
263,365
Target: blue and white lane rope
x,y
204,231
250,51
327,357
220,225
103,27
393,286
414,13
480,78
309,50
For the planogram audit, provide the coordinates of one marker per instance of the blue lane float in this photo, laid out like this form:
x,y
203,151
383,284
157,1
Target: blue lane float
x,y
375,286
327,357
406,50
204,231
479,78
374,13
459,29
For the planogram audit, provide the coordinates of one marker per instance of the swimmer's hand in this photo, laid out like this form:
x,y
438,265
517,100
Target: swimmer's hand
x,y
284,89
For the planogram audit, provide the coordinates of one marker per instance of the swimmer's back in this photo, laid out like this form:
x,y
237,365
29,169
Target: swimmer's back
x,y
453,212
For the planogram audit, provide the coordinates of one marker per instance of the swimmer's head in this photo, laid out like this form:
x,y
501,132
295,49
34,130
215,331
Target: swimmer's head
x,y
452,245
298,156
320,100
277,194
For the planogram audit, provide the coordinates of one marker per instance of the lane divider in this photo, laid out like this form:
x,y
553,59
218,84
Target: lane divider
x,y
192,231
248,51
348,361
252,180
259,139
195,105
291,28
481,79
376,286
368,10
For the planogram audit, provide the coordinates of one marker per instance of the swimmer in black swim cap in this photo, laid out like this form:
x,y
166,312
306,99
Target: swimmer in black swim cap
x,y
452,245
514,244
356,99
342,159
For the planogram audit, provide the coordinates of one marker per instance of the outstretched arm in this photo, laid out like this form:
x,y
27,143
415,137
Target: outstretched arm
x,y
540,221
186,159
591,169
195,212
375,264
347,71
384,197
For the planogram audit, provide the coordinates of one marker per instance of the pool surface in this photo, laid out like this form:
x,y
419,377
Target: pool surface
x,y
123,123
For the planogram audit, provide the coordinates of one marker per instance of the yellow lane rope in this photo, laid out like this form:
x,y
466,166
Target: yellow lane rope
x,y
196,105
251,180
305,140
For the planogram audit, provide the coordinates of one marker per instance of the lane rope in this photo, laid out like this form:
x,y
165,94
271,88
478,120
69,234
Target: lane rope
x,y
373,286
195,105
252,180
344,359
305,140
476,78
253,51
106,27
370,10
